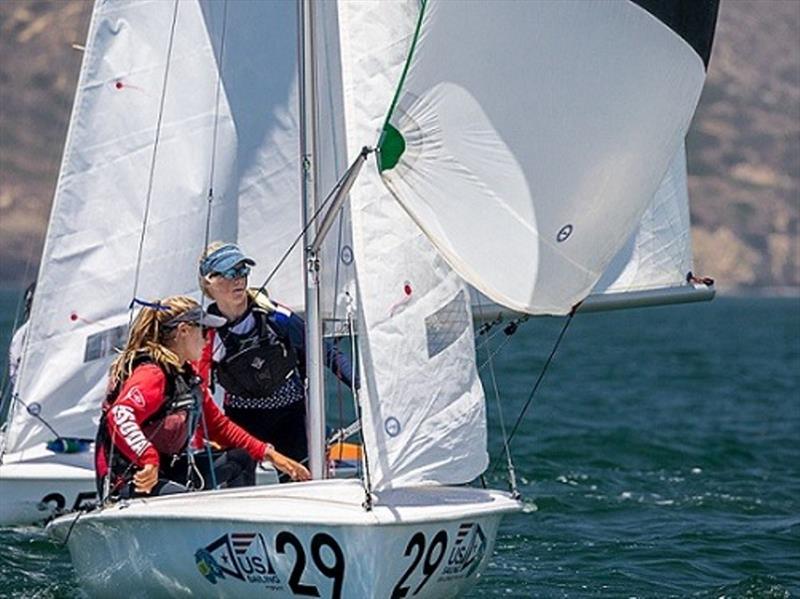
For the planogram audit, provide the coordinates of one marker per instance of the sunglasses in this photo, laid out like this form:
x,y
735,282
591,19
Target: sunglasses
x,y
234,272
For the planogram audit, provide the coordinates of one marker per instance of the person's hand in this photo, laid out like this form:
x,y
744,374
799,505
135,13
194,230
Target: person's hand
x,y
146,478
295,470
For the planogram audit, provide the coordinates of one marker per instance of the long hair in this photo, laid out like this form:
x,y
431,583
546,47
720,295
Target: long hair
x,y
148,335
257,296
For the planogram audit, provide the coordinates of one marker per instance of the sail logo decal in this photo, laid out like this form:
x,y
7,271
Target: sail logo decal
x,y
392,426
467,553
241,556
346,255
135,395
564,233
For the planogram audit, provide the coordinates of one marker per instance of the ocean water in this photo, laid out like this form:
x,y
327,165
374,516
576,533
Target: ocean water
x,y
659,458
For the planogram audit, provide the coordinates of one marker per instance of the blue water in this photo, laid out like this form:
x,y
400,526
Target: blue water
x,y
659,458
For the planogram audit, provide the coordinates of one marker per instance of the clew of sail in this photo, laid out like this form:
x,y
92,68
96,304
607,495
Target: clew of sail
x,y
530,185
424,418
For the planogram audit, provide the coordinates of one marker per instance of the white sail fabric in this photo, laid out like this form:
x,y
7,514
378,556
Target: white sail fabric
x,y
102,212
424,418
258,45
337,258
531,169
659,252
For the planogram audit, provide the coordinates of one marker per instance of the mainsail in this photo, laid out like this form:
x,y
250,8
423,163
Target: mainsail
x,y
173,105
529,186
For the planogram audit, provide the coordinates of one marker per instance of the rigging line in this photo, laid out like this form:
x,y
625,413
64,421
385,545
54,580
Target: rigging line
x,y
71,526
208,447
539,379
311,220
494,353
149,193
354,350
512,479
508,330
212,167
485,342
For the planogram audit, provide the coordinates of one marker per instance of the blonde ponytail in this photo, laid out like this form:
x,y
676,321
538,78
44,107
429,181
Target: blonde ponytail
x,y
147,336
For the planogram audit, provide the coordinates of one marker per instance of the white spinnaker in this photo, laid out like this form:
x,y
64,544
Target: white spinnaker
x,y
424,418
531,168
659,253
88,269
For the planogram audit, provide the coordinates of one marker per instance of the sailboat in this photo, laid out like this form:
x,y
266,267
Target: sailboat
x,y
525,176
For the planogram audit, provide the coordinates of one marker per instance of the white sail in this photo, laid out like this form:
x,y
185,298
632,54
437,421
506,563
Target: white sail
x,y
659,252
529,185
423,409
147,109
258,48
332,160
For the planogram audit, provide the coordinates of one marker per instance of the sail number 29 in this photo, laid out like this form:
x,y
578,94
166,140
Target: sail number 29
x,y
433,557
334,571
425,556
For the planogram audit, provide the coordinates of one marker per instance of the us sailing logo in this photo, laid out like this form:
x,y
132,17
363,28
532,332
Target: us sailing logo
x,y
242,556
467,553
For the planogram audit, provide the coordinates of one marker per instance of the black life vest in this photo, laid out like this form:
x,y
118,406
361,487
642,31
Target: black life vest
x,y
256,364
169,429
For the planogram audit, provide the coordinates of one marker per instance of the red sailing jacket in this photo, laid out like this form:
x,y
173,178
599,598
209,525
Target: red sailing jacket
x,y
142,395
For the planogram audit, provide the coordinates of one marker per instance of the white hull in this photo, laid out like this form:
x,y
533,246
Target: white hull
x,y
312,539
37,484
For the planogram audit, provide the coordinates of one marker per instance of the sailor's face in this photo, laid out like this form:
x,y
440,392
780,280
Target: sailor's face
x,y
228,290
189,341
196,341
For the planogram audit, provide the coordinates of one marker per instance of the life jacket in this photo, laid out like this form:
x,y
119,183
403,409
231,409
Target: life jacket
x,y
256,364
169,429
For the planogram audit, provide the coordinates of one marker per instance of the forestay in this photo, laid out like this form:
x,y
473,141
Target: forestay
x,y
424,419
530,169
148,129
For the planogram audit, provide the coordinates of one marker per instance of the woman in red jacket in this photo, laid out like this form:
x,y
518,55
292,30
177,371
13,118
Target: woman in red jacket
x,y
159,418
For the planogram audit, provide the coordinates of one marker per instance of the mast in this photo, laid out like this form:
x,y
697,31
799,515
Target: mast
x,y
315,425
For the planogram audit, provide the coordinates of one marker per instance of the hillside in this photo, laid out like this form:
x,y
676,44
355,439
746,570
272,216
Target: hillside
x,y
744,146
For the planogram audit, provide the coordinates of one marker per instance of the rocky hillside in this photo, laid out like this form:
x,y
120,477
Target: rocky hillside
x,y
744,147
38,73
